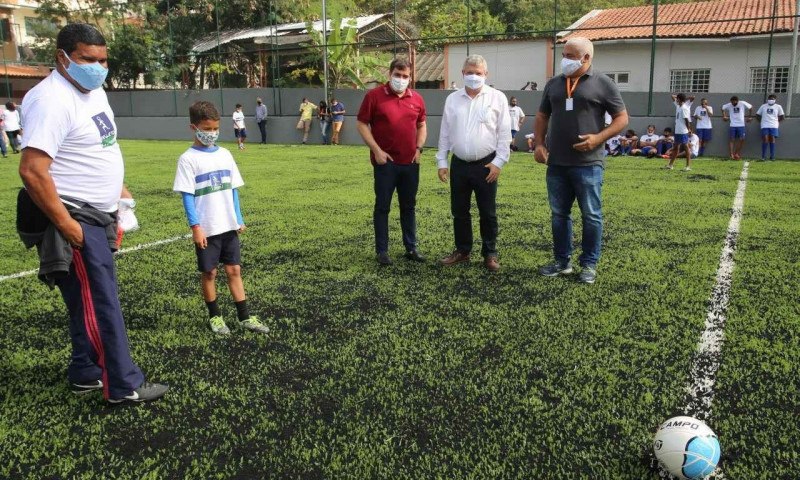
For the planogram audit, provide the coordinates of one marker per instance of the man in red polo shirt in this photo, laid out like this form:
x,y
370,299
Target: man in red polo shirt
x,y
391,121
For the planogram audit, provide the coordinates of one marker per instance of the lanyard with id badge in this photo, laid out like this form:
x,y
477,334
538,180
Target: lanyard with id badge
x,y
570,90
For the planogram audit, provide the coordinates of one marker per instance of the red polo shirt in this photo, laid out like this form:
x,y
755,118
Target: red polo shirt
x,y
394,121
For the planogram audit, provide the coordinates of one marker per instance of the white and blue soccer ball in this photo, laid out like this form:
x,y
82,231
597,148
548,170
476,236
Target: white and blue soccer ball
x,y
687,448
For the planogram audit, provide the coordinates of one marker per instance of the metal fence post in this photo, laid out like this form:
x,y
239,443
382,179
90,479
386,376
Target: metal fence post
x,y
793,62
652,60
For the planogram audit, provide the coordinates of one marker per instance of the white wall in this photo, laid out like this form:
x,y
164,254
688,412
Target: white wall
x,y
512,64
729,61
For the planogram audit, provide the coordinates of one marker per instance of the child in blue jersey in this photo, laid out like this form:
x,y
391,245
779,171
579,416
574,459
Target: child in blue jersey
x,y
209,181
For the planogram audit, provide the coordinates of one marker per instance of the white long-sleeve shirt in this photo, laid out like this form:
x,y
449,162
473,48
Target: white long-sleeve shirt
x,y
473,128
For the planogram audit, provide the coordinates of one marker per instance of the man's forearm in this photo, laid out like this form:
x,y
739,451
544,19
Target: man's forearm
x,y
42,190
540,128
366,135
618,124
422,135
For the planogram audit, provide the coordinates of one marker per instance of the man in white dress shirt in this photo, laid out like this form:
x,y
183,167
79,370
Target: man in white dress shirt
x,y
476,131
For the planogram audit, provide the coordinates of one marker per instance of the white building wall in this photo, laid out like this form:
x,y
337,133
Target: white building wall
x,y
512,64
730,61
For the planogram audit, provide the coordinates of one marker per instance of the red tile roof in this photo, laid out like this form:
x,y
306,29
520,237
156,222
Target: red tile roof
x,y
721,18
24,71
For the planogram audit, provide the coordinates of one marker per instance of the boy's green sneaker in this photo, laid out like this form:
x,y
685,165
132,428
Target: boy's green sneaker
x,y
218,326
254,324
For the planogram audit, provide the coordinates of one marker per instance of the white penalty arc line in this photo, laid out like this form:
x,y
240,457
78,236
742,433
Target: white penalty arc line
x,y
708,356
134,248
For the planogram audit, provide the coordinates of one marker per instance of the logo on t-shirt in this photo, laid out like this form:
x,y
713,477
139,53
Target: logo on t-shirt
x,y
735,109
108,135
770,111
702,113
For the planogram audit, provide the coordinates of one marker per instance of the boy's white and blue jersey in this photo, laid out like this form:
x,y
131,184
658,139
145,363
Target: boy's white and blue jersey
x,y
208,178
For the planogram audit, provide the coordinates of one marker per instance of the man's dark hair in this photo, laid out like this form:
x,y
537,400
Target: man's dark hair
x,y
668,129
654,127
681,97
11,106
399,63
74,33
734,98
202,110
772,96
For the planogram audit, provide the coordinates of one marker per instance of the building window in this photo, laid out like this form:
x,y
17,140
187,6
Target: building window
x,y
620,78
689,80
37,27
778,80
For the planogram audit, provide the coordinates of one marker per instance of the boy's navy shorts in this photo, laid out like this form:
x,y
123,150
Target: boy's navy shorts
x,y
240,132
223,248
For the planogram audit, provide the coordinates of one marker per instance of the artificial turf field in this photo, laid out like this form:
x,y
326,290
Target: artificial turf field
x,y
418,371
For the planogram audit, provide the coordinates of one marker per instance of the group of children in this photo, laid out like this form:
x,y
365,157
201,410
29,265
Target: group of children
x,y
690,141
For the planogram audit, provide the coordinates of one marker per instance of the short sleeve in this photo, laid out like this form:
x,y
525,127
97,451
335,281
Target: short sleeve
x,y
760,110
184,176
613,99
423,114
780,111
366,110
546,107
747,105
236,177
47,124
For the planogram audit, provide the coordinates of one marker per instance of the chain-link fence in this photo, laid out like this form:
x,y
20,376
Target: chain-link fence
x,y
712,49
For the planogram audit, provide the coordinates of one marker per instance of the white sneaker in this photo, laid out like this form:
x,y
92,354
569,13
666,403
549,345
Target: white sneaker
x,y
668,167
687,169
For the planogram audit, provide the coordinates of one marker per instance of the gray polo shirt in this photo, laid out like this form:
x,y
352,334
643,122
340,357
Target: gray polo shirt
x,y
594,95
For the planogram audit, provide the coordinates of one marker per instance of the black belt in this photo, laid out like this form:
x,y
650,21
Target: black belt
x,y
482,161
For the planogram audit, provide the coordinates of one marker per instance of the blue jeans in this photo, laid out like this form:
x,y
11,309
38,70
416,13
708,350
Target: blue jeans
x,y
564,186
324,125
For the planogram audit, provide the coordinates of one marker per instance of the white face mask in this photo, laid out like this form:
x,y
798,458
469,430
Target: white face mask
x,y
399,84
771,102
207,138
569,66
474,81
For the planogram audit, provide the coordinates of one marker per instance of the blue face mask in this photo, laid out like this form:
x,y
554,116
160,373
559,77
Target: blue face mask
x,y
90,76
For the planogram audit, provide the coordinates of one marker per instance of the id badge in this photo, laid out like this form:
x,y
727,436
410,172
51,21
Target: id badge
x,y
569,104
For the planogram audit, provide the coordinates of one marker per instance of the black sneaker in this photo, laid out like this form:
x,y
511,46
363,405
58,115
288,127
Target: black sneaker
x,y
555,269
384,259
146,393
415,256
86,387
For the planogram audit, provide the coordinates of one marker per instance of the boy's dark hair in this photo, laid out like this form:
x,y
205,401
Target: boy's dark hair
x,y
10,106
772,96
668,130
734,98
630,133
654,127
238,105
74,33
681,97
202,110
399,63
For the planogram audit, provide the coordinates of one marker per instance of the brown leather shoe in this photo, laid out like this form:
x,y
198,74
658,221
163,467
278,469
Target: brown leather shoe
x,y
491,263
455,258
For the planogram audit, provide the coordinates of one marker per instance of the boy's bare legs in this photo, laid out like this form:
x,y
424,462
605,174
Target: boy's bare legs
x,y
235,284
209,285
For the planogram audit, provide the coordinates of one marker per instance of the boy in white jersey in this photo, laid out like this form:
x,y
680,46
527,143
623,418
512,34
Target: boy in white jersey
x,y
703,129
682,116
734,112
208,179
770,114
648,143
239,129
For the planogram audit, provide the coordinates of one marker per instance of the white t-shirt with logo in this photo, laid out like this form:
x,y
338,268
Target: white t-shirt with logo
x,y
516,114
694,144
682,114
614,142
650,138
705,121
78,132
736,113
769,115
238,120
11,121
210,174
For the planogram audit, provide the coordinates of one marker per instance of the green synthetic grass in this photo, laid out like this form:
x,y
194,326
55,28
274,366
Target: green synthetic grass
x,y
412,371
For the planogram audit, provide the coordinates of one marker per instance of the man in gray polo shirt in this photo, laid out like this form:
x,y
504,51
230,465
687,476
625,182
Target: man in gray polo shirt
x,y
573,104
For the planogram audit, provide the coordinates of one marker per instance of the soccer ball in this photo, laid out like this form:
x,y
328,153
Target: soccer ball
x,y
686,448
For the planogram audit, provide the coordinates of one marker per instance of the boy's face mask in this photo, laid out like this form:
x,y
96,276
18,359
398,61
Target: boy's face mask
x,y
207,138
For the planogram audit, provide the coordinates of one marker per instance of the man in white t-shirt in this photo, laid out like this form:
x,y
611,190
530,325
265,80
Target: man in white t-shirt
x,y
771,115
72,169
12,125
734,112
703,129
517,119
682,115
239,130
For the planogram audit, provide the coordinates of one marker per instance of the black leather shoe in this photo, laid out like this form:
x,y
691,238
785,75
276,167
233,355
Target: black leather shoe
x,y
384,259
415,256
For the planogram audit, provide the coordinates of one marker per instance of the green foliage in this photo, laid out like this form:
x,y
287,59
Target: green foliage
x,y
417,371
129,54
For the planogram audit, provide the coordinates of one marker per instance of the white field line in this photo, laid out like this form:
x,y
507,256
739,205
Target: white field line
x,y
707,358
134,248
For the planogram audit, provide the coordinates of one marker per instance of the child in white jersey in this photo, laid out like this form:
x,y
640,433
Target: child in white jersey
x,y
771,115
208,179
